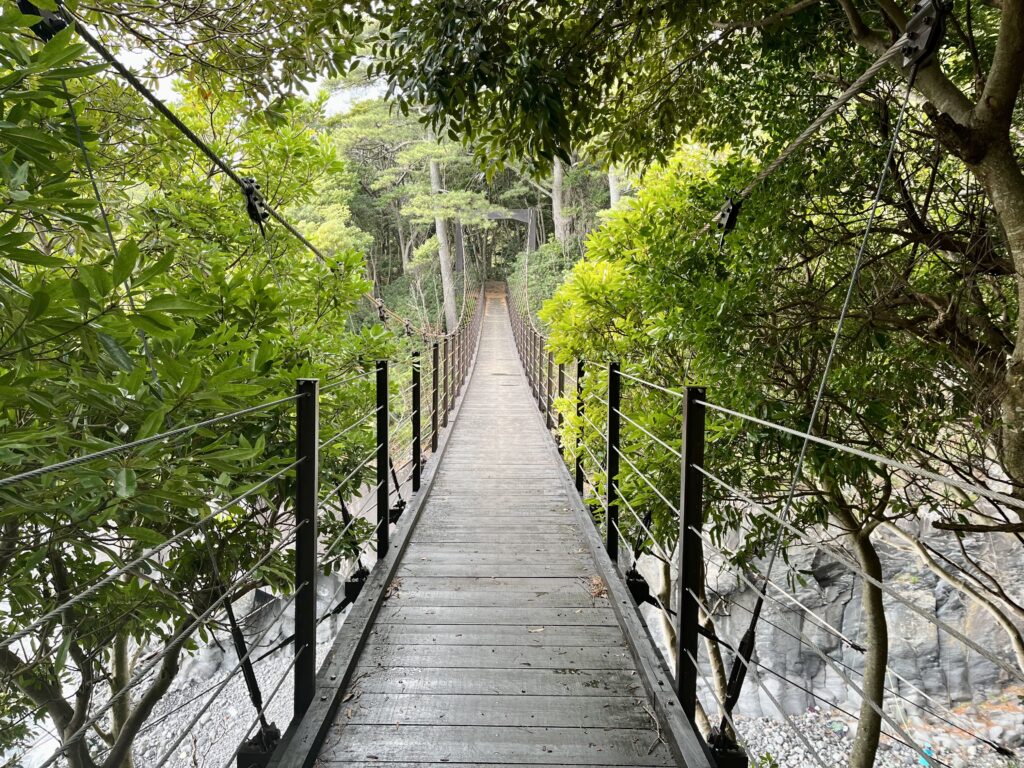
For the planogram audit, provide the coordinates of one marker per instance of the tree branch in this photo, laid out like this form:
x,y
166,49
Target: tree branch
x,y
979,527
767,21
995,108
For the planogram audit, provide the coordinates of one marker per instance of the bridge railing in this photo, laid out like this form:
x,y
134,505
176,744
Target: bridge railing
x,y
627,465
317,510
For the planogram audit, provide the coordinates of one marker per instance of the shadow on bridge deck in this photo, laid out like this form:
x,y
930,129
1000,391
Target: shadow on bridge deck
x,y
497,631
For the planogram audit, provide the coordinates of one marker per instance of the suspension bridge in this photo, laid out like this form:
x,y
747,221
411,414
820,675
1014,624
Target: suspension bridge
x,y
498,630
493,623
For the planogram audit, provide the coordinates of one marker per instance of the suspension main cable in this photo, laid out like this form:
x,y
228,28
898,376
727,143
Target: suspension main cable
x,y
205,148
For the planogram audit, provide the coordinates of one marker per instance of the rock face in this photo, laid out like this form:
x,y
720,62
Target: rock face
x,y
930,667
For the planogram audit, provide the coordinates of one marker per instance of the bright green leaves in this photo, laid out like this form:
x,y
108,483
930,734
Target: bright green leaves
x,y
188,316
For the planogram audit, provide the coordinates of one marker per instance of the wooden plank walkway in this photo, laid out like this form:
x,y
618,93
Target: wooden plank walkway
x,y
495,642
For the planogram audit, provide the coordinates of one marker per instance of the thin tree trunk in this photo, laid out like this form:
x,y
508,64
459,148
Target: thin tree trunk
x,y
558,216
613,188
451,312
876,658
1001,177
121,708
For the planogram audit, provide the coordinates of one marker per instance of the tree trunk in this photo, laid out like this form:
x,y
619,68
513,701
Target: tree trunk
x,y
404,245
876,634
451,313
613,188
460,248
1001,177
121,708
558,216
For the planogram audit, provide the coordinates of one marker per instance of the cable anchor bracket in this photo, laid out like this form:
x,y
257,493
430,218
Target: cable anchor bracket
x,y
924,33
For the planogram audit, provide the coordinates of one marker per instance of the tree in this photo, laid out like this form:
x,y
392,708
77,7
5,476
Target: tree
x,y
625,77
181,313
679,309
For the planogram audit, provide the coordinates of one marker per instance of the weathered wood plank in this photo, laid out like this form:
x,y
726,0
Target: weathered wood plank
x,y
396,613
581,746
475,657
526,682
488,709
505,634
436,591
499,570
454,555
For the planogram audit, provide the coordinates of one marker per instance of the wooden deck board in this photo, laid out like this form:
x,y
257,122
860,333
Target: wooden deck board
x,y
496,644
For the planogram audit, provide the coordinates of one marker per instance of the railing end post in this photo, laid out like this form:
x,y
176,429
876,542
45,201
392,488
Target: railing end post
x,y
691,550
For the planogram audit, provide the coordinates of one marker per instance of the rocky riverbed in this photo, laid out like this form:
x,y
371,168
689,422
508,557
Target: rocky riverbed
x,y
771,742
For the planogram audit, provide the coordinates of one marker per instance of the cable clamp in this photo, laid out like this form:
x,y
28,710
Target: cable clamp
x,y
255,205
726,218
924,32
50,23
397,510
355,583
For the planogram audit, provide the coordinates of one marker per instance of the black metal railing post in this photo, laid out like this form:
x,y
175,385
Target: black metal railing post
x,y
579,421
612,462
447,380
307,472
549,399
417,434
435,383
539,369
561,416
383,465
691,550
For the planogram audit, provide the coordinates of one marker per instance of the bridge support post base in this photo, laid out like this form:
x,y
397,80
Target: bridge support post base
x,y
257,751
728,758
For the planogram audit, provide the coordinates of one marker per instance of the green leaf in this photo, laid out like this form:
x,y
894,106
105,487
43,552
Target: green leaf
x,y
125,483
116,352
169,303
152,424
146,536
40,301
125,260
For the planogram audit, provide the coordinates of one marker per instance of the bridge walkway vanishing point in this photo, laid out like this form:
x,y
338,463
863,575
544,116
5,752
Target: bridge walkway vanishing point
x,y
494,634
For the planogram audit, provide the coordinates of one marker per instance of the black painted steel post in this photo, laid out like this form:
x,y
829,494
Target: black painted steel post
x,y
307,453
417,431
691,550
579,421
561,416
447,382
435,383
538,361
612,463
549,400
383,465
